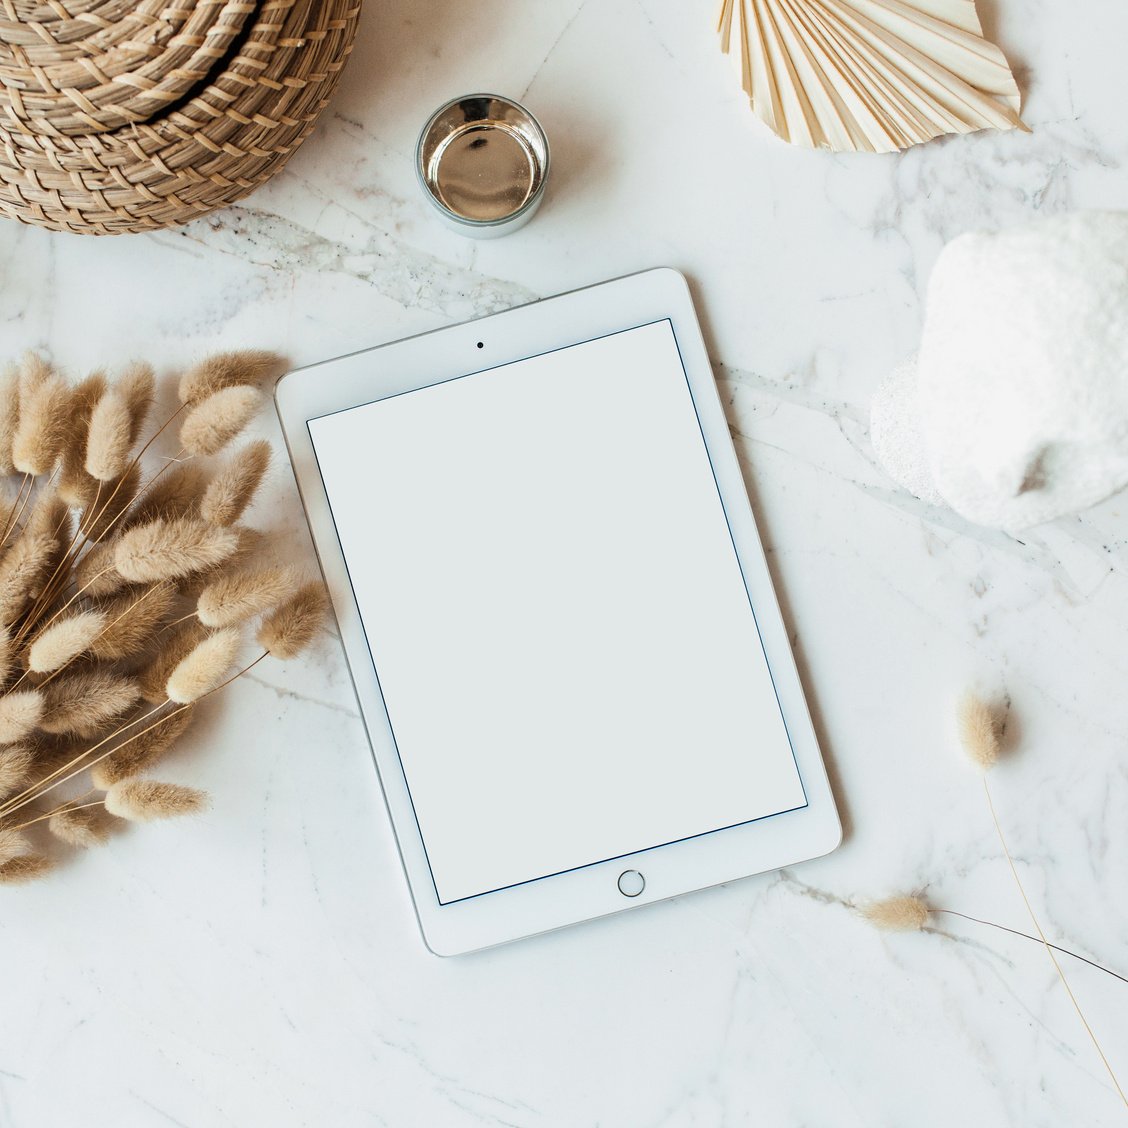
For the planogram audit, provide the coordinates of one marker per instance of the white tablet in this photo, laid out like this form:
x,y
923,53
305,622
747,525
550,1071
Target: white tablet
x,y
556,611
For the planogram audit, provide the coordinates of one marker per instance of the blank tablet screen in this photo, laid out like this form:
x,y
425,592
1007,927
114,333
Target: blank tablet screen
x,y
556,613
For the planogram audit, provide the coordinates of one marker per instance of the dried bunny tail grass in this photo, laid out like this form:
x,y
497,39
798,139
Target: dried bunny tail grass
x,y
140,752
15,768
104,513
168,549
903,913
137,386
108,439
153,681
225,370
9,416
34,373
42,427
294,624
172,493
249,543
215,421
64,639
96,573
25,867
143,800
233,599
132,619
231,490
20,712
23,569
979,731
12,845
202,669
82,704
75,486
80,824
7,655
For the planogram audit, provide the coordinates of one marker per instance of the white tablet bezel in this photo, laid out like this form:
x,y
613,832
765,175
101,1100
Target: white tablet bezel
x,y
459,350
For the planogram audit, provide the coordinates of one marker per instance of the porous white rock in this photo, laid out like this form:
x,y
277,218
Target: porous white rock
x,y
1018,405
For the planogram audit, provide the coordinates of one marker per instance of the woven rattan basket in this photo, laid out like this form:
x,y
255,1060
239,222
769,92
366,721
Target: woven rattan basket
x,y
127,115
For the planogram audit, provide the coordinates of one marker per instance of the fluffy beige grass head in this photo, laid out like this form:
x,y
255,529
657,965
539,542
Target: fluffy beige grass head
x,y
23,570
140,751
225,370
180,642
137,386
85,703
104,512
12,845
9,416
15,768
25,867
294,624
143,800
20,711
231,599
979,731
215,421
174,492
203,667
108,438
168,549
96,573
42,427
904,913
132,619
64,639
75,486
80,824
232,489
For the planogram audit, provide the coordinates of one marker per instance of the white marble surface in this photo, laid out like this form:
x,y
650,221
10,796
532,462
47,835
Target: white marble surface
x,y
261,966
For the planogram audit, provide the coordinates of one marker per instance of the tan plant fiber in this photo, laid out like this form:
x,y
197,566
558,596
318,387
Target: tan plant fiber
x,y
250,544
203,668
142,750
42,427
96,573
174,492
75,485
15,767
108,438
12,845
7,654
231,490
114,497
979,731
80,825
20,712
84,703
215,421
293,625
23,569
66,638
233,599
153,680
903,913
167,549
226,370
9,415
143,800
137,385
25,867
132,619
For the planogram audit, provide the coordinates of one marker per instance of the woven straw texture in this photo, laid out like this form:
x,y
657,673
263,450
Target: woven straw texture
x,y
128,115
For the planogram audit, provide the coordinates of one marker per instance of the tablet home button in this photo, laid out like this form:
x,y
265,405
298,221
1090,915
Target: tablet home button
x,y
631,883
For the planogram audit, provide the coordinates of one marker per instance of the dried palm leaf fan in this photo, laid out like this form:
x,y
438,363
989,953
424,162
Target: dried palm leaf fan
x,y
869,75
126,115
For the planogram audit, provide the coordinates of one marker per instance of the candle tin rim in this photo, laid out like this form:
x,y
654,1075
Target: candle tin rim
x,y
534,196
